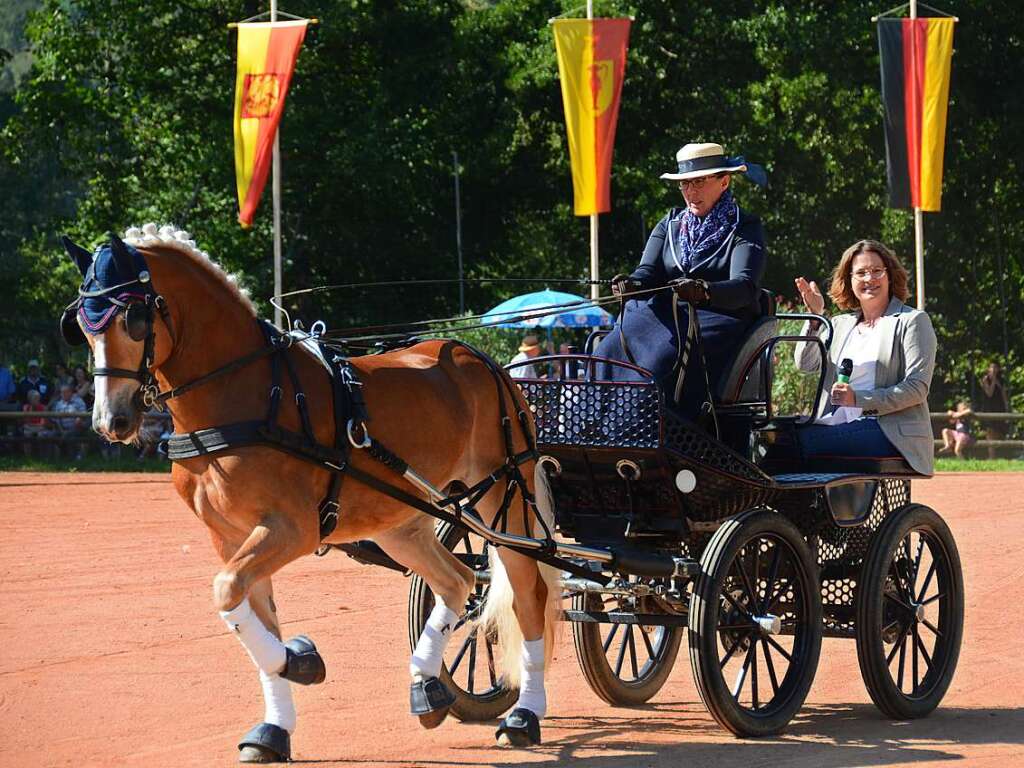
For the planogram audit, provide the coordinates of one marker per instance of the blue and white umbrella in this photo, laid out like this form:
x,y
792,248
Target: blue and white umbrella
x,y
529,311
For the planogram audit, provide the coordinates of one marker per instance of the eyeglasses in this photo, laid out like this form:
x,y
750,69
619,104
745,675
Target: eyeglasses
x,y
697,184
870,274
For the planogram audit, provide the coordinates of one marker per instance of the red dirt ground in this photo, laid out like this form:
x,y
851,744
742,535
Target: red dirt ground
x,y
111,654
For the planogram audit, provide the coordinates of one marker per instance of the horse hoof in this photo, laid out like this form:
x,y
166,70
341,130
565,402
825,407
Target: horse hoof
x,y
265,743
520,729
303,663
430,700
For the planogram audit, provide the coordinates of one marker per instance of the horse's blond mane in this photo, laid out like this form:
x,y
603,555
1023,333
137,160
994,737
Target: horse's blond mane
x,y
170,238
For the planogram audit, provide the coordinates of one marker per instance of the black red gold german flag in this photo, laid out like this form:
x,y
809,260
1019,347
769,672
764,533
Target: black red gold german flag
x,y
916,59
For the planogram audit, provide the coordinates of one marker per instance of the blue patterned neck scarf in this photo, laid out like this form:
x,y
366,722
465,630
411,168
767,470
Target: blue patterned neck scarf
x,y
699,238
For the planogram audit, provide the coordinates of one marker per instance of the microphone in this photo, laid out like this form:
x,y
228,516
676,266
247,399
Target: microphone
x,y
845,370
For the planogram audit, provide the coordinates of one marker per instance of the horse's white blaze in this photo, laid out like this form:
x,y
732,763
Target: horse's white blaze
x,y
99,407
113,395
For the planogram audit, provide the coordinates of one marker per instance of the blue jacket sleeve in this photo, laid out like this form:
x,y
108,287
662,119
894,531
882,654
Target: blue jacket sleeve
x,y
746,269
651,272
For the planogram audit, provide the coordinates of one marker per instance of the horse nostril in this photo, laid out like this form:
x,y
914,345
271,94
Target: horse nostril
x,y
119,423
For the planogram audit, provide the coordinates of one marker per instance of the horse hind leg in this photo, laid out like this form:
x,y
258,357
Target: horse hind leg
x,y
415,546
522,608
244,597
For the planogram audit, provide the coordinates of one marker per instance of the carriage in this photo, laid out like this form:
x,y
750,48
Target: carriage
x,y
724,535
649,524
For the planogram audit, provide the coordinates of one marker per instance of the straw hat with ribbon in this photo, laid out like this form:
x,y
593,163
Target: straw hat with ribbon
x,y
696,160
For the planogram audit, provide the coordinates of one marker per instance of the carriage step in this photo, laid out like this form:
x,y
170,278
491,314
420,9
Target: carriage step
x,y
620,617
639,562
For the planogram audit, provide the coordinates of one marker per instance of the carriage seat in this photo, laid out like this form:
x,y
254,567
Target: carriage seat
x,y
742,379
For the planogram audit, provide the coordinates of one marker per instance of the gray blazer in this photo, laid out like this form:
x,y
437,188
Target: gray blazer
x,y
906,361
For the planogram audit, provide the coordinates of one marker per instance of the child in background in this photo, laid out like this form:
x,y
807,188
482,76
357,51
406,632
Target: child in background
x,y
957,438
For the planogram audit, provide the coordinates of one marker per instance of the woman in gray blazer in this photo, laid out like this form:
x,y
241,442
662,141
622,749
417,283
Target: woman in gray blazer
x,y
881,408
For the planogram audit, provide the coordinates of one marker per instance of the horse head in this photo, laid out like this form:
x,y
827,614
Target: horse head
x,y
114,314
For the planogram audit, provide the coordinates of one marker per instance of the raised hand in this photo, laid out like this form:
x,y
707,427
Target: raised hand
x,y
811,295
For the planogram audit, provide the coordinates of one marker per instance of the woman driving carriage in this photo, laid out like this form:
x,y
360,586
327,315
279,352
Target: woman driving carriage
x,y
712,254
882,410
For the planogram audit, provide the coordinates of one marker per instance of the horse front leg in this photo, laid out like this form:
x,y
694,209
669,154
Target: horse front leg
x,y
244,596
415,546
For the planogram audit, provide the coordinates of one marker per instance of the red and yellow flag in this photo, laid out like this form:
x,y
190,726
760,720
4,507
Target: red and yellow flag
x,y
591,65
266,57
916,56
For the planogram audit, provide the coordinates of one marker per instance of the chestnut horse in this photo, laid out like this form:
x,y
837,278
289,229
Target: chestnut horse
x,y
434,404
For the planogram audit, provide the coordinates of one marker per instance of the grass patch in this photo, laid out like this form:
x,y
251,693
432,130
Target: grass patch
x,y
125,463
979,465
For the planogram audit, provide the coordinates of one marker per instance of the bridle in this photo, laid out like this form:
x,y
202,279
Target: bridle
x,y
138,320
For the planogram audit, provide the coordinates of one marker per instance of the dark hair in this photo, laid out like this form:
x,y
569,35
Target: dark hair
x,y
841,289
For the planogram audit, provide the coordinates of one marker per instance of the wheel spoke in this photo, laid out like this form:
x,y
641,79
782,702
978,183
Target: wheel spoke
x,y
927,582
924,651
900,603
756,596
896,647
632,654
773,573
913,648
737,606
647,642
741,676
731,651
472,662
780,649
753,673
903,654
746,581
931,627
771,668
933,598
744,627
917,561
462,652
622,655
611,635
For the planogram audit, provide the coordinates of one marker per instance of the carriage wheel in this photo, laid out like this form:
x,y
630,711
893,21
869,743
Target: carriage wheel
x,y
755,623
469,660
624,664
910,613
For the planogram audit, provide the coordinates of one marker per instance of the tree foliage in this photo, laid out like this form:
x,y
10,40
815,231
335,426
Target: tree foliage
x,y
125,117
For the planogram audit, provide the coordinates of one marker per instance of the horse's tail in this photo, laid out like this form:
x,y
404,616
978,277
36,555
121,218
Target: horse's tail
x,y
498,615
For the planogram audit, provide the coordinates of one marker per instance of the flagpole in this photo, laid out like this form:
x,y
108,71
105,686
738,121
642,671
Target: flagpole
x,y
595,273
918,217
276,194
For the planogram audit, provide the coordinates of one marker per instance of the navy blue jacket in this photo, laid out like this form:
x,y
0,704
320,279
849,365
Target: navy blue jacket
x,y
733,272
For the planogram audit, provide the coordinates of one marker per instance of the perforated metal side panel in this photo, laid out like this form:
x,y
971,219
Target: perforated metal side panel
x,y
594,414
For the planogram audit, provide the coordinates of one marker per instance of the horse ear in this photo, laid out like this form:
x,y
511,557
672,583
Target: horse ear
x,y
78,254
122,257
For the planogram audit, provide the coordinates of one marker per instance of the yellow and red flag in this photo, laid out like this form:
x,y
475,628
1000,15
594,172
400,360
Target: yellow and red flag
x,y
591,65
266,58
916,56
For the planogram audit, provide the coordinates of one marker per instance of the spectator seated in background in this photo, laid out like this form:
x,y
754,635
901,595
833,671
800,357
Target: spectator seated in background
x,y
36,426
882,410
529,349
957,437
33,380
72,426
84,386
61,377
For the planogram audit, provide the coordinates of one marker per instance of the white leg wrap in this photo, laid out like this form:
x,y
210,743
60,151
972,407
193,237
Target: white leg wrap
x,y
267,651
531,685
279,708
429,654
